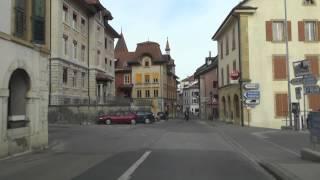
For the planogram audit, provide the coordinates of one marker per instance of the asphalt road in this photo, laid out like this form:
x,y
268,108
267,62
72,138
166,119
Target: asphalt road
x,y
174,150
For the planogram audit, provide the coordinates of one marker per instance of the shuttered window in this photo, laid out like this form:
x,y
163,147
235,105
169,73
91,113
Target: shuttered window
x,y
314,102
279,68
309,30
38,21
20,18
138,78
314,61
281,104
275,31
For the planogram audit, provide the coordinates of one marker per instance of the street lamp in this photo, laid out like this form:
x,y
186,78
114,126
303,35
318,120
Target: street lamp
x,y
287,59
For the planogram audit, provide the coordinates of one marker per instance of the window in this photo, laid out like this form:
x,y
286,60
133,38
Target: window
x,y
155,80
65,13
221,49
310,29
281,104
83,52
314,63
147,78
74,79
98,58
20,18
83,25
227,44
234,38
278,31
228,74
234,66
314,102
38,21
75,21
279,68
65,45
110,62
146,64
215,84
83,78
65,76
138,78
222,77
156,93
105,43
105,63
75,50
127,79
139,94
147,93
309,2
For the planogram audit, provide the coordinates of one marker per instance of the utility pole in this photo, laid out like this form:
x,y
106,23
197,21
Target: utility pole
x,y
288,63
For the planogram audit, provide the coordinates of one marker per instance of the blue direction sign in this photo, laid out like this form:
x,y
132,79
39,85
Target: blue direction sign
x,y
315,89
309,79
252,95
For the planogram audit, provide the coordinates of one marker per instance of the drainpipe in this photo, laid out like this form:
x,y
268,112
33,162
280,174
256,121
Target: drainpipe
x,y
50,61
88,61
240,68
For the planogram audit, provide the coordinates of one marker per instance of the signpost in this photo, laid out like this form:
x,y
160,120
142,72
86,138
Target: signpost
x,y
252,102
296,81
251,86
301,68
309,79
298,93
314,89
252,95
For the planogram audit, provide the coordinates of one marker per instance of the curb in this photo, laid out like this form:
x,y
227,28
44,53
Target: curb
x,y
278,172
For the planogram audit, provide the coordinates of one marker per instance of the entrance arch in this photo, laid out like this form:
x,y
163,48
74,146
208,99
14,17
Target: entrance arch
x,y
224,107
230,113
236,106
19,85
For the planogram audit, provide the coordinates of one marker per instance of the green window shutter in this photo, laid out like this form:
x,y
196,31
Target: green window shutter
x,y
38,21
20,18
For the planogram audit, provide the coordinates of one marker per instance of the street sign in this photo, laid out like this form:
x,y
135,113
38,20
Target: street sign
x,y
251,86
252,102
252,95
298,93
315,89
309,79
301,68
296,81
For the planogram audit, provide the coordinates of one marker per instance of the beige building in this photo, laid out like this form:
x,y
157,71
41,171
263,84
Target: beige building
x,y
82,60
24,42
251,40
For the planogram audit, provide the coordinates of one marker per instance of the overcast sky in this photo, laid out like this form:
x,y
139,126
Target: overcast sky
x,y
189,24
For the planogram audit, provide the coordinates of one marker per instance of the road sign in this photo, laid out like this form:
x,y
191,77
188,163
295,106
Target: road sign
x,y
251,86
309,79
301,68
252,102
298,93
252,95
315,89
296,81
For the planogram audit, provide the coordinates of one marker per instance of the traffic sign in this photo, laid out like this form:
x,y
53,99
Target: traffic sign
x,y
309,80
301,68
315,89
298,93
252,102
251,86
297,81
252,95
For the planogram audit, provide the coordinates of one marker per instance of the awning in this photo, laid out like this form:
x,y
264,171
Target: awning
x,y
104,77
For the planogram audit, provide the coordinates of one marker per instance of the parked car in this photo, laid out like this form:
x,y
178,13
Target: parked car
x,y
162,116
145,117
118,118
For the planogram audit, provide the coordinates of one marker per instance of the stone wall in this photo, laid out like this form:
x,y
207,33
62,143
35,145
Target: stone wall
x,y
72,114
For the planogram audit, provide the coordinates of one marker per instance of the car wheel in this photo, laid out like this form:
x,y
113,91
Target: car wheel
x,y
133,122
108,122
147,121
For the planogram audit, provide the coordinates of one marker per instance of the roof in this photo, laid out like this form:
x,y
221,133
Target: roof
x,y
167,45
206,68
189,79
239,6
121,45
111,31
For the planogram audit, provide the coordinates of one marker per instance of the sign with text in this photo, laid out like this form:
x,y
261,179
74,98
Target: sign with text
x,y
309,79
298,92
251,86
301,68
297,81
252,95
315,89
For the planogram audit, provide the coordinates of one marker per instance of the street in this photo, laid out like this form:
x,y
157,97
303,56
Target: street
x,y
170,150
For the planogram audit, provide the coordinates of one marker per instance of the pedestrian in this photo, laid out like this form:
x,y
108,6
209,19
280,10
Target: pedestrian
x,y
186,115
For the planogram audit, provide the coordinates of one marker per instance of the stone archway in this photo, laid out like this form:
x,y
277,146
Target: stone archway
x,y
230,113
19,86
224,106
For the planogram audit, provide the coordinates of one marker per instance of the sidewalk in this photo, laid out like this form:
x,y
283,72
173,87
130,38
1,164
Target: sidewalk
x,y
275,150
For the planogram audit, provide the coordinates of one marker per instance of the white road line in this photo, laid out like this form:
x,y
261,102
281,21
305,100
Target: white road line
x,y
127,175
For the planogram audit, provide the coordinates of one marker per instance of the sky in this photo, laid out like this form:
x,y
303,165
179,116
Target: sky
x,y
189,25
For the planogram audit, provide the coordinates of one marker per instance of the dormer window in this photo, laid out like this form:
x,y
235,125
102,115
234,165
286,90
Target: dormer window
x,y
146,63
309,2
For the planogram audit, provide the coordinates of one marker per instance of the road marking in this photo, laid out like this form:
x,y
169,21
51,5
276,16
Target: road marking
x,y
127,175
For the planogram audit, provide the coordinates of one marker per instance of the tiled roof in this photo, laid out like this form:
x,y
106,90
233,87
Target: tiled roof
x,y
121,45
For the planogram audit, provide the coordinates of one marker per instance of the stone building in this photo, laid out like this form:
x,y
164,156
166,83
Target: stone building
x,y
251,40
25,50
147,75
82,59
207,76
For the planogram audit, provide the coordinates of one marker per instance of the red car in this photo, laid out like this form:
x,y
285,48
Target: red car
x,y
118,118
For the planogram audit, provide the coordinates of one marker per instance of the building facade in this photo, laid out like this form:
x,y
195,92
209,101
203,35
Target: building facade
x,y
189,91
25,50
147,75
207,76
251,40
82,59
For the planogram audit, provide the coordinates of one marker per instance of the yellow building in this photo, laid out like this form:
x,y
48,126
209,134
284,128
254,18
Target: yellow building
x,y
251,40
153,76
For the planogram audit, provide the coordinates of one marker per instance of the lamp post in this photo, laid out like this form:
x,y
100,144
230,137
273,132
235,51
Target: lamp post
x,y
287,59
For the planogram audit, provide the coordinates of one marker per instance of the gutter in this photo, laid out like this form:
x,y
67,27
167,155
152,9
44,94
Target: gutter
x,y
88,61
50,61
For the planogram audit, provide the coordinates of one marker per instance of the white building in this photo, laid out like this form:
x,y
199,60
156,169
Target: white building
x,y
24,48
